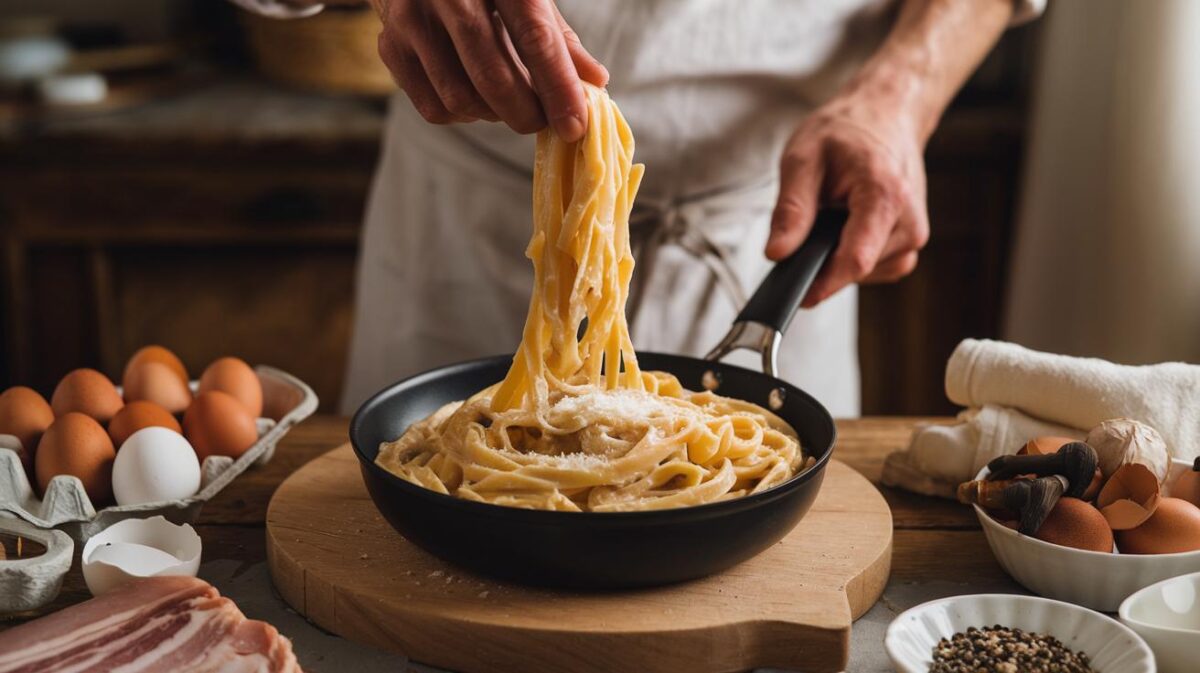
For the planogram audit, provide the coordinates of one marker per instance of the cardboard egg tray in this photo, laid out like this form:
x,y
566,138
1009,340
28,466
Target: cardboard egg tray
x,y
286,401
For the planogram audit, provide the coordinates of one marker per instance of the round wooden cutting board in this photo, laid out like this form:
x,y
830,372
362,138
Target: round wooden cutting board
x,y
338,562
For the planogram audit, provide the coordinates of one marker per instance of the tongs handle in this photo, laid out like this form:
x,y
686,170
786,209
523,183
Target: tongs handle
x,y
775,301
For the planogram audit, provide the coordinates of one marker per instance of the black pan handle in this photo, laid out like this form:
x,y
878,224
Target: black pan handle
x,y
779,295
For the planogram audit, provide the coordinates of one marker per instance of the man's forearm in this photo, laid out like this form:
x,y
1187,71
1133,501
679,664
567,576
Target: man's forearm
x,y
933,48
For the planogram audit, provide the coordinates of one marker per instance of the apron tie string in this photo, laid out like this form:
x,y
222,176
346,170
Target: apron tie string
x,y
655,223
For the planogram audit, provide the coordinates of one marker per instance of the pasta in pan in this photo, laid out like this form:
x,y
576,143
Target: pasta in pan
x,y
576,425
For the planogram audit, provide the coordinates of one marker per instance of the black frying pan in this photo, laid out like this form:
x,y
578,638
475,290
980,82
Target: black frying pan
x,y
598,550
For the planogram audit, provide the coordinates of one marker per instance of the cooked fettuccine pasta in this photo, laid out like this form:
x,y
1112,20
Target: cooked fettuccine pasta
x,y
575,425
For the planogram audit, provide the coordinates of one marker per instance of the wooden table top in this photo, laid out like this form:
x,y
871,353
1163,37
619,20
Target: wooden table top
x,y
935,539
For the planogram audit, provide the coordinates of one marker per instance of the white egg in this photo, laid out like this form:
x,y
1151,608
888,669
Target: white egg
x,y
154,465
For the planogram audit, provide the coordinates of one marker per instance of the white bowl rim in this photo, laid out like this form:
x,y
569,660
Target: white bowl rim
x,y
1127,605
986,520
897,624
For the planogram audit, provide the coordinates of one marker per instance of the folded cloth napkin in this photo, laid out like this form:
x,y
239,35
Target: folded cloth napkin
x,y
1015,394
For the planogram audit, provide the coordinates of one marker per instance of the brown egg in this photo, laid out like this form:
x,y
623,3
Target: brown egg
x,y
1075,523
155,354
25,414
158,383
137,415
217,424
234,376
75,444
1174,527
1186,486
88,392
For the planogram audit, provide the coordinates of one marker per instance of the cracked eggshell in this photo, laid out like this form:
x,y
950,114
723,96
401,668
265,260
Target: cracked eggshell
x,y
1129,497
1120,441
139,548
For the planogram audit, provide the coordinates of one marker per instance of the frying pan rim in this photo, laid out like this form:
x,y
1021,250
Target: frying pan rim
x,y
555,517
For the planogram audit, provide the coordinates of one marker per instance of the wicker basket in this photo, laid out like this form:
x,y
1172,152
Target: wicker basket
x,y
334,51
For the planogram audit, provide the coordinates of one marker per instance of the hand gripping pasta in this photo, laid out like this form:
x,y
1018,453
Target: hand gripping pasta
x,y
575,425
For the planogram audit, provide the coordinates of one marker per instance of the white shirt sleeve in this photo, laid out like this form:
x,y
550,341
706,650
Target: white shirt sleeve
x,y
1027,10
275,9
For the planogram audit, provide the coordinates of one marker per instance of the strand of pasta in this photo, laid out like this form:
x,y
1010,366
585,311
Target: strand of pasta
x,y
582,198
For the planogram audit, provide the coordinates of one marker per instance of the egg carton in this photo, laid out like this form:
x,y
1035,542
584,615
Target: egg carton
x,y
286,401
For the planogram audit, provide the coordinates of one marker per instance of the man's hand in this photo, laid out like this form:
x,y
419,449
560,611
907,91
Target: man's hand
x,y
863,149
515,61
852,152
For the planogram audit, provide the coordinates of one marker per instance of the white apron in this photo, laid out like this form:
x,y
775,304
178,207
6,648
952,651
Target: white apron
x,y
712,89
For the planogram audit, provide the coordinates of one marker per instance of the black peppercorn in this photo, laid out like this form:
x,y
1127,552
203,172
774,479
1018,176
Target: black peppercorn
x,y
999,649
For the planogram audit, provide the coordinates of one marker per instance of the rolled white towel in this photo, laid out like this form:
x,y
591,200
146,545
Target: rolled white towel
x,y
1015,394
1079,392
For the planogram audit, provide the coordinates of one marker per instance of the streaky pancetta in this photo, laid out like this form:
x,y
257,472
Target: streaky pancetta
x,y
151,625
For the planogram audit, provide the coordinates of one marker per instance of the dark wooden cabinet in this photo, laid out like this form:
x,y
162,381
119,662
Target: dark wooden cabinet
x,y
907,330
210,226
210,236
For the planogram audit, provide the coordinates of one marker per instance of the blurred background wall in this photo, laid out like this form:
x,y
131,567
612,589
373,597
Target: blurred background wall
x,y
211,199
1106,258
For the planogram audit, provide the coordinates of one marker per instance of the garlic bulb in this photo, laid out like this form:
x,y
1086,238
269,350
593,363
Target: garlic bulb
x,y
1120,441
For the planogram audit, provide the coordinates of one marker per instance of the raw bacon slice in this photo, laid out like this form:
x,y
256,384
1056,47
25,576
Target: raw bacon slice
x,y
152,625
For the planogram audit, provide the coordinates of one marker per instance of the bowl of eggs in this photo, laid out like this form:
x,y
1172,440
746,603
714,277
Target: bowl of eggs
x,y
96,453
1091,522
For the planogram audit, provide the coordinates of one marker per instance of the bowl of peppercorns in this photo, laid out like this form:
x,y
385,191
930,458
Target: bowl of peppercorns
x,y
1002,633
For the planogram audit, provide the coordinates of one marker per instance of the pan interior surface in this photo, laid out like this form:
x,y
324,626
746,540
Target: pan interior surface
x,y
387,415
588,550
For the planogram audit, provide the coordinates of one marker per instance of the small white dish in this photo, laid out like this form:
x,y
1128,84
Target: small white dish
x,y
1092,579
139,548
1111,646
77,88
26,58
1167,616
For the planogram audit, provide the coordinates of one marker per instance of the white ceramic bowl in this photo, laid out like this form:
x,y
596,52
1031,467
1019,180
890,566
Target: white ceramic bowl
x,y
1167,616
1092,579
1111,646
